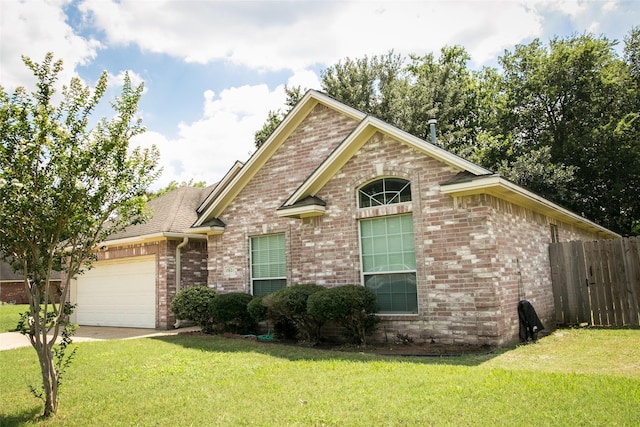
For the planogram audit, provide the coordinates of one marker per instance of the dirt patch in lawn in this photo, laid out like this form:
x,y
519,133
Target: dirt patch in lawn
x,y
390,349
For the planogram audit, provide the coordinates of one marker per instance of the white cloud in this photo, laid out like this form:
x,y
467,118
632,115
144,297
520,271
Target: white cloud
x,y
117,80
33,28
205,149
269,35
285,35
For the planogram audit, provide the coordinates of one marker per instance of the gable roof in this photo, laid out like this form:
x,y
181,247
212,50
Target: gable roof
x,y
172,213
360,135
465,185
212,191
223,198
473,179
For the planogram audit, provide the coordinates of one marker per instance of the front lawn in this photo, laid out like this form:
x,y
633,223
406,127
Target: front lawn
x,y
9,316
572,378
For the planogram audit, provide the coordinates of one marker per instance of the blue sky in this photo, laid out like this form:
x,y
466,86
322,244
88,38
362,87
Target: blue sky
x,y
213,69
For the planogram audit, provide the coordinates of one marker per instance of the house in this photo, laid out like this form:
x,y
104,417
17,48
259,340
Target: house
x,y
337,197
12,288
135,276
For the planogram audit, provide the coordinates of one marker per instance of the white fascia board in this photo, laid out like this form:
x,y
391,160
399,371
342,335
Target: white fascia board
x,y
200,231
497,186
149,238
302,211
428,148
237,166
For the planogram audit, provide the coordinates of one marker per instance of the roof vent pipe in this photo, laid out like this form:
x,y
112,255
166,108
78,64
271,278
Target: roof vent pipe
x,y
432,126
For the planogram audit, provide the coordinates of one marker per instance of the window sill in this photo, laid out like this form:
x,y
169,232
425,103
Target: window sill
x,y
396,316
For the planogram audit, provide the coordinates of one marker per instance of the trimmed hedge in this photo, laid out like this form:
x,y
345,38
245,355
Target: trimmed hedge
x,y
229,311
288,307
256,308
194,303
351,306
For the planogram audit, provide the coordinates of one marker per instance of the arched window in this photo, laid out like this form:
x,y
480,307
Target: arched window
x,y
385,191
387,248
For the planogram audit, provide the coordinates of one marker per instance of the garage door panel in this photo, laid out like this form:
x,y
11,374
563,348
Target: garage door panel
x,y
118,293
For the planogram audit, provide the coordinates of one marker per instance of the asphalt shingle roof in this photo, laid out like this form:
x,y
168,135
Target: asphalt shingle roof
x,y
172,212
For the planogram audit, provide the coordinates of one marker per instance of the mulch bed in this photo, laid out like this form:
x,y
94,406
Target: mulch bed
x,y
389,349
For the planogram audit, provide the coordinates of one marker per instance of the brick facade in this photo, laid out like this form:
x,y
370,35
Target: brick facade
x,y
476,256
14,292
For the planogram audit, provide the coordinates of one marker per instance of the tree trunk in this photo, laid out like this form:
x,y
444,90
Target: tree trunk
x,y
49,377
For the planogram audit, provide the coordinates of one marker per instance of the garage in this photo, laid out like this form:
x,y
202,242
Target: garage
x,y
117,293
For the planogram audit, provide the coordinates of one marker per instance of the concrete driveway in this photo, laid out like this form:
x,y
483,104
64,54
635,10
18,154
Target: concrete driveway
x,y
11,340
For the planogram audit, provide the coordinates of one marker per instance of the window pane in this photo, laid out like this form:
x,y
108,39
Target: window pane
x,y
389,262
385,191
395,293
392,247
263,287
268,257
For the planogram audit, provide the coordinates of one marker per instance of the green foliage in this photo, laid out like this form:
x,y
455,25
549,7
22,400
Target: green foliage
x,y
256,308
351,306
174,185
576,99
195,303
230,312
288,307
64,188
561,119
274,118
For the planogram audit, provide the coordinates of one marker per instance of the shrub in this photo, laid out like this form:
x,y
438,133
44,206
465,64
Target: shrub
x,y
351,306
288,307
230,312
194,304
256,308
282,327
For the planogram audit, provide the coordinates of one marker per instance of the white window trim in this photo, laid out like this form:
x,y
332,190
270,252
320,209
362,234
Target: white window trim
x,y
251,278
362,273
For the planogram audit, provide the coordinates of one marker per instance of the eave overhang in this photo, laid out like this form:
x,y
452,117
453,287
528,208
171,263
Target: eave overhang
x,y
226,180
495,185
213,226
306,208
145,238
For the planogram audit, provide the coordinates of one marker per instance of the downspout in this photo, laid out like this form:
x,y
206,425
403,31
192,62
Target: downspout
x,y
181,245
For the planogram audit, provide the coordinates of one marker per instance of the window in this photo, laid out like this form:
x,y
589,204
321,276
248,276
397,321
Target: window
x,y
268,264
385,191
389,262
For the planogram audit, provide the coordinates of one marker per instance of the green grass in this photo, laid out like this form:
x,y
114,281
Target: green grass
x,y
9,316
571,378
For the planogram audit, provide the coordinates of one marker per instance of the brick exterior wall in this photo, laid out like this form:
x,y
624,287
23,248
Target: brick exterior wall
x,y
15,293
476,256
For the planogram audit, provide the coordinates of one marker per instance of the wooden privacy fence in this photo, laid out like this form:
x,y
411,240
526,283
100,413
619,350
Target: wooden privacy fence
x,y
597,282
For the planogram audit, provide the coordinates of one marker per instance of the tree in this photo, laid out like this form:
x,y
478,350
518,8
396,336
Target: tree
x,y
294,94
576,99
63,189
174,185
375,85
562,119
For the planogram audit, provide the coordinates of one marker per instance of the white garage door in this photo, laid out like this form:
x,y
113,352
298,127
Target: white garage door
x,y
117,293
